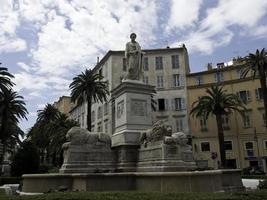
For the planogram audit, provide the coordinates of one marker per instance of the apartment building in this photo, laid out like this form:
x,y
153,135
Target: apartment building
x,y
64,104
245,137
164,68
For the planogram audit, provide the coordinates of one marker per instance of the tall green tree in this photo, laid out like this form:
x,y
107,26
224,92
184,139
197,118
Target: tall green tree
x,y
257,63
13,109
217,103
48,133
5,79
88,86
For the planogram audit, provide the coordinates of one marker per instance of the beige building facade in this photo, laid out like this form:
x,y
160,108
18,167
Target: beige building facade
x,y
245,137
64,105
165,69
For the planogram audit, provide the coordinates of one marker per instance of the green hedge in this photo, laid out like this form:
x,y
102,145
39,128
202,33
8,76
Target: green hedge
x,y
258,195
9,180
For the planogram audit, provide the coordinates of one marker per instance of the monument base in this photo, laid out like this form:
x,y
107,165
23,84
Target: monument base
x,y
198,181
88,159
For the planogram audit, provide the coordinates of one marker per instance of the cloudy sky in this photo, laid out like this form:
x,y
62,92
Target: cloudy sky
x,y
44,43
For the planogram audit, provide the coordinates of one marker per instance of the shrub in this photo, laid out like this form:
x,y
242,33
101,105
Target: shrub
x,y
26,160
263,184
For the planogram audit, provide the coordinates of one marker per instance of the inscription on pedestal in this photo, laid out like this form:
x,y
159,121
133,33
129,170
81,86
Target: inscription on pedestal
x,y
138,107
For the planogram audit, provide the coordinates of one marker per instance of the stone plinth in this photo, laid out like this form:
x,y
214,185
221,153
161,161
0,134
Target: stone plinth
x,y
88,158
161,157
198,181
132,116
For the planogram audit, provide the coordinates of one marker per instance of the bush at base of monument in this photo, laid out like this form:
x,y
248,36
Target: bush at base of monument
x,y
26,160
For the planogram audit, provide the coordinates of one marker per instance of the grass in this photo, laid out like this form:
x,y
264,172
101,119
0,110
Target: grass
x,y
257,195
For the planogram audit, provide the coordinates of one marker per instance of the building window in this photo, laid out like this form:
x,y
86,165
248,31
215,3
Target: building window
x,y
145,80
180,124
228,145
239,73
225,121
124,65
179,103
93,116
160,81
245,96
218,77
99,112
265,144
82,120
145,65
264,118
249,148
259,94
199,80
205,146
106,127
161,104
175,61
159,63
99,128
176,80
203,124
247,119
106,109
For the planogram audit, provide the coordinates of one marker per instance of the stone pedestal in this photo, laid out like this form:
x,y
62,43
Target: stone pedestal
x,y
132,116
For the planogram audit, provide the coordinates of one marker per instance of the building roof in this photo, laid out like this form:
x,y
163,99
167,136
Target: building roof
x,y
110,52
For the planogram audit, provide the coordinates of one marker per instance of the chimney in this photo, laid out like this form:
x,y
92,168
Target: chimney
x,y
209,66
97,61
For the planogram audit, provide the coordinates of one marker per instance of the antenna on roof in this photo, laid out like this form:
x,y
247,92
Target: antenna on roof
x,y
167,44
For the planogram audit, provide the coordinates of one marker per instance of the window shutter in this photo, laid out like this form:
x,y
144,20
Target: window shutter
x,y
166,101
173,104
181,80
215,77
183,103
221,76
257,94
248,96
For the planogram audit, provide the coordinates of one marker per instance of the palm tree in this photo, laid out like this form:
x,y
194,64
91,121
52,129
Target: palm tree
x,y
5,78
48,114
13,109
257,63
88,86
217,103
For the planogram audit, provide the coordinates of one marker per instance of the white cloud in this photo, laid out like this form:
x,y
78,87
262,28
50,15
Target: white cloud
x,y
216,28
183,14
24,66
9,21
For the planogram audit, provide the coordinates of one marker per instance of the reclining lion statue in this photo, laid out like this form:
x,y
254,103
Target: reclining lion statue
x,y
158,132
80,136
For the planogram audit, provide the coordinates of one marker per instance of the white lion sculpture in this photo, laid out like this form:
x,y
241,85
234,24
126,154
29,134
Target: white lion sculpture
x,y
179,138
80,136
159,130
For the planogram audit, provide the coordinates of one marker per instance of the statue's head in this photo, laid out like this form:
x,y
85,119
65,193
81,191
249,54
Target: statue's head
x,y
133,36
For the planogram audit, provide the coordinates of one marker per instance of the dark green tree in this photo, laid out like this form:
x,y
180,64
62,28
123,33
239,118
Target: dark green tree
x,y
257,63
88,87
26,160
13,109
217,103
5,78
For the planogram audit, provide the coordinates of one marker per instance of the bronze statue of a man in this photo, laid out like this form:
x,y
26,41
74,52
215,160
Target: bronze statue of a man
x,y
133,55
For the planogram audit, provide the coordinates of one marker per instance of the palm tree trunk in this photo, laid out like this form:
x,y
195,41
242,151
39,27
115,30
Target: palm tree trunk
x,y
89,108
264,94
221,141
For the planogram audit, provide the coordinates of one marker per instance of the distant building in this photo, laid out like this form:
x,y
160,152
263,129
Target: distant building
x,y
245,137
164,68
63,104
